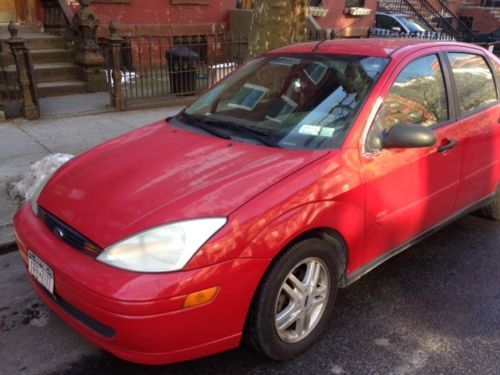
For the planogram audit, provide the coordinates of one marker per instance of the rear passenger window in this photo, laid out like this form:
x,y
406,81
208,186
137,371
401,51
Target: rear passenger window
x,y
474,79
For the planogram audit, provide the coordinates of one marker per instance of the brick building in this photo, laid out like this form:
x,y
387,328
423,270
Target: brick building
x,y
482,16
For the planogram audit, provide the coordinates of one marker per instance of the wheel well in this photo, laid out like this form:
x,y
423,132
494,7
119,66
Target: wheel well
x,y
330,236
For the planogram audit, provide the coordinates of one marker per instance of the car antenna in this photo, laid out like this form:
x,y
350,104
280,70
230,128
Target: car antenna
x,y
327,37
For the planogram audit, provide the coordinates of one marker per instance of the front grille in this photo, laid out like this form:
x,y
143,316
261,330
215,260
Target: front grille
x,y
67,234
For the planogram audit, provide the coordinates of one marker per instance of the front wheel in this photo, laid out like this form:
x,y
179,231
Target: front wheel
x,y
295,300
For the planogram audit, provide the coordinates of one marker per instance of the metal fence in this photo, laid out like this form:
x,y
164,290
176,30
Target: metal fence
x,y
381,33
10,93
171,67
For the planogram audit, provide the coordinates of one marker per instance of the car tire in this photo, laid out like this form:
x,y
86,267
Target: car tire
x,y
269,330
492,211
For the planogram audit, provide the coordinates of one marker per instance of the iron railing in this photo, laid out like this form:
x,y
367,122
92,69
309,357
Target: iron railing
x,y
18,90
169,67
10,94
379,33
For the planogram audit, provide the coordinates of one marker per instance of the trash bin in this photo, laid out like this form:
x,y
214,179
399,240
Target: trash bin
x,y
182,65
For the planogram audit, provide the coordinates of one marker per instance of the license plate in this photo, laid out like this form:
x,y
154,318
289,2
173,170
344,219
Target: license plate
x,y
41,272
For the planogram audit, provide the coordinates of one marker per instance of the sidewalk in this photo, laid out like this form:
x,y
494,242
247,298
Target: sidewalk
x,y
23,142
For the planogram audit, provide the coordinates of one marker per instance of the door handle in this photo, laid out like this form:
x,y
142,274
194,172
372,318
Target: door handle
x,y
447,146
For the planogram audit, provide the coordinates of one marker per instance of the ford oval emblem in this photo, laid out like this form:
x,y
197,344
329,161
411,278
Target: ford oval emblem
x,y
58,232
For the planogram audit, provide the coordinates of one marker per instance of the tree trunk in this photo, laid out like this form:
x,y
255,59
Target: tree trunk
x,y
276,23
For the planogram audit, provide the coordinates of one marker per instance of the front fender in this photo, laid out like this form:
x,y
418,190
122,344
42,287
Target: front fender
x,y
261,239
344,218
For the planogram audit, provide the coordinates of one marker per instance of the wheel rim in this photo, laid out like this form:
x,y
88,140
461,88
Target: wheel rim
x,y
302,300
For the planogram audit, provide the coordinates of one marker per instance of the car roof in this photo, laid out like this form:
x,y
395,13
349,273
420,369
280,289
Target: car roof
x,y
379,47
392,13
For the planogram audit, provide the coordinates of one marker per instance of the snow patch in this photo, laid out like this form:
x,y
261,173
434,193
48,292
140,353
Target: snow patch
x,y
336,370
382,342
37,172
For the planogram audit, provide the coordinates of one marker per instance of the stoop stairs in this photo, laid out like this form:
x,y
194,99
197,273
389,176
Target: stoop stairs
x,y
54,69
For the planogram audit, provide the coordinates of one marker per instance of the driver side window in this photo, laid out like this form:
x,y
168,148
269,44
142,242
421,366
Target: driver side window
x,y
418,96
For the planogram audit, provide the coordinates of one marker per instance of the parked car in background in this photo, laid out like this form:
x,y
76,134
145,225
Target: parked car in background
x,y
386,20
240,217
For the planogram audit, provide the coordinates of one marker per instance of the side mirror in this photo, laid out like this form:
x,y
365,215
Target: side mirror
x,y
408,136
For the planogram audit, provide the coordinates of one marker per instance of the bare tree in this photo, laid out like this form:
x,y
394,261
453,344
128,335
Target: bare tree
x,y
276,23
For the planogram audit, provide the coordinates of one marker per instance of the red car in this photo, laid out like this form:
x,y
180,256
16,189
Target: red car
x,y
242,215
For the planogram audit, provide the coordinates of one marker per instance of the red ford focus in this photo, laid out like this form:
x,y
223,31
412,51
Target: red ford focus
x,y
242,215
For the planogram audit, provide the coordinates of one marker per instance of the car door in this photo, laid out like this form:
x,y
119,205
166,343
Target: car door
x,y
408,191
479,117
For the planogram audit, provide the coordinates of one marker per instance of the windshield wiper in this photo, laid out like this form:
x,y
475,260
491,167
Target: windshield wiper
x,y
258,135
194,121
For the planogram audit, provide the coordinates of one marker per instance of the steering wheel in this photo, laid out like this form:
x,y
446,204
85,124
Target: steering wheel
x,y
341,111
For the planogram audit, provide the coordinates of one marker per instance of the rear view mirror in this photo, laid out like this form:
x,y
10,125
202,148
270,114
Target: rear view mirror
x,y
408,136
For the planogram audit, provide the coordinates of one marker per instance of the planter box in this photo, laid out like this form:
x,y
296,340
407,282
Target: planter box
x,y
316,11
357,12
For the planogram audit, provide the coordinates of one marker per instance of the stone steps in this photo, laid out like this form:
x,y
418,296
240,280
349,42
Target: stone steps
x,y
35,41
54,70
60,88
42,56
48,72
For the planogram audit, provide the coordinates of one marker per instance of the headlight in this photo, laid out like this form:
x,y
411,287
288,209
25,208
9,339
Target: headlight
x,y
37,192
161,249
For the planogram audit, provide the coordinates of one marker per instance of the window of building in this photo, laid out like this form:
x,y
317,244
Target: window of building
x,y
355,3
315,3
474,79
418,96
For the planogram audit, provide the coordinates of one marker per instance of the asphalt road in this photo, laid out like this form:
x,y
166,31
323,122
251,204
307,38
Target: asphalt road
x,y
435,309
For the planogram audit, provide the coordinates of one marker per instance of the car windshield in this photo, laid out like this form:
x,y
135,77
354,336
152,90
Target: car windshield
x,y
412,24
290,101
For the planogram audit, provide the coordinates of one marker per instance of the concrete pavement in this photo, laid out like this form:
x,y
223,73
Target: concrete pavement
x,y
24,142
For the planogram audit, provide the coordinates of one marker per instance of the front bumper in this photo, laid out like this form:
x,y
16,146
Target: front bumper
x,y
136,316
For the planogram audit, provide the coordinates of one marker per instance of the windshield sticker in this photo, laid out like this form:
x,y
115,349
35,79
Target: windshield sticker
x,y
309,129
326,132
316,130
248,96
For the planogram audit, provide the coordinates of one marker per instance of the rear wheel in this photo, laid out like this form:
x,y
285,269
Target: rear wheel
x,y
492,211
295,300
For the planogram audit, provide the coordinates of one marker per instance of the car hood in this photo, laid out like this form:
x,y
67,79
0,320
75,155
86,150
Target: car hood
x,y
159,174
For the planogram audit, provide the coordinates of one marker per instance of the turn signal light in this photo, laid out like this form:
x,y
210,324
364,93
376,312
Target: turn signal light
x,y
201,297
